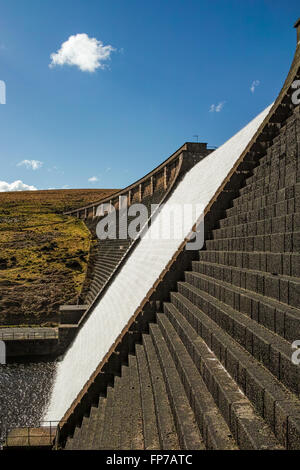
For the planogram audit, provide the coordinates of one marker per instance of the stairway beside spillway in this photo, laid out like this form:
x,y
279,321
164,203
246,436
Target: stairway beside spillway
x,y
106,261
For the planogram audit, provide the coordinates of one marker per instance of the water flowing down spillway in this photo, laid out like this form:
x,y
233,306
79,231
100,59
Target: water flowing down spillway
x,y
24,393
140,272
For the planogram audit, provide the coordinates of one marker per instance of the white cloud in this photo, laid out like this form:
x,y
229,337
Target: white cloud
x,y
88,54
31,164
16,186
93,179
255,83
216,108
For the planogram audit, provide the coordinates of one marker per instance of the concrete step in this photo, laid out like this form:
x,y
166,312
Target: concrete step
x,y
214,430
95,288
97,283
108,256
269,164
107,267
89,298
266,195
256,210
102,275
108,253
150,430
275,243
273,351
279,407
84,432
279,179
69,444
283,141
137,435
106,430
75,443
107,250
100,278
98,424
287,264
103,272
89,429
104,269
125,433
188,432
166,427
93,291
247,427
272,314
114,432
117,242
275,178
283,145
109,264
261,216
285,289
285,223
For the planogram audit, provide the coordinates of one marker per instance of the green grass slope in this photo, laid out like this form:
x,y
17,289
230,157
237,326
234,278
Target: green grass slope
x,y
43,254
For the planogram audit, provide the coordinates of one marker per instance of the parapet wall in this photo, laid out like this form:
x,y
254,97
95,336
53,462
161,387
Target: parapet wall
x,y
157,181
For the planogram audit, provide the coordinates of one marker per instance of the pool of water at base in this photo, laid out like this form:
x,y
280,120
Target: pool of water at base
x,y
25,388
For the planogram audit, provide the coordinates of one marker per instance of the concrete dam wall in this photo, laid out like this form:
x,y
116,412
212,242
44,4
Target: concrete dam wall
x,y
141,270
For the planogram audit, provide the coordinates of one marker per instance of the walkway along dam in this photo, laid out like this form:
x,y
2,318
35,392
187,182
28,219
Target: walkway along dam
x,y
172,348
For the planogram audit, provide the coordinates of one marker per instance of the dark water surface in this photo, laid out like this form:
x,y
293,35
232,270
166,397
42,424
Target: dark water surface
x,y
24,393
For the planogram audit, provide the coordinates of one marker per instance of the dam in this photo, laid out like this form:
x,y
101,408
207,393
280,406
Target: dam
x,y
182,348
102,328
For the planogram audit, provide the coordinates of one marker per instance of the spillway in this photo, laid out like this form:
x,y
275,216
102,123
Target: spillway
x,y
140,272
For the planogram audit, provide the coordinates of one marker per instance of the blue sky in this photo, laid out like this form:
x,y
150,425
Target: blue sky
x,y
175,69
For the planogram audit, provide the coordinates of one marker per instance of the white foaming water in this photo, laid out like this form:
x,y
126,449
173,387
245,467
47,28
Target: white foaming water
x,y
139,273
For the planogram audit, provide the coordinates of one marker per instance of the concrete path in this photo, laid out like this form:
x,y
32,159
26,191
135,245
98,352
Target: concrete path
x,y
27,333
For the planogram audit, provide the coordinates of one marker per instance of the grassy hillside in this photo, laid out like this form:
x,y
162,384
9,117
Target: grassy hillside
x,y
43,254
